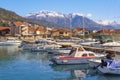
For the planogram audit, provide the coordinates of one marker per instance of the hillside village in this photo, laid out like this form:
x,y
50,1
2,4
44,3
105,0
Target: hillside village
x,y
13,25
27,30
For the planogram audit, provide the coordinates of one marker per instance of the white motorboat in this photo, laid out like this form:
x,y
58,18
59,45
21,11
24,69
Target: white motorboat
x,y
38,49
10,42
111,44
28,47
51,46
97,61
33,47
59,50
63,50
89,42
112,67
76,56
94,62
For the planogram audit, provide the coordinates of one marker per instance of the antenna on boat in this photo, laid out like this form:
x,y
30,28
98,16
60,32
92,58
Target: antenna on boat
x,y
83,27
70,25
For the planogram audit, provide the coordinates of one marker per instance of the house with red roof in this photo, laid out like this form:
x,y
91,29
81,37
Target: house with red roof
x,y
109,31
36,30
80,31
61,32
4,30
19,28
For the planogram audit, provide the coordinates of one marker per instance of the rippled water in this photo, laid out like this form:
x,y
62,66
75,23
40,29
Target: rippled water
x,y
23,65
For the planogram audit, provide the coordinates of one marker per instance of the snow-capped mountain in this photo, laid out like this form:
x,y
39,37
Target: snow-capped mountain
x,y
109,23
70,20
46,13
106,22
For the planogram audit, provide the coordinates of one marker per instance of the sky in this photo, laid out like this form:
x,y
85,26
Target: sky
x,y
94,9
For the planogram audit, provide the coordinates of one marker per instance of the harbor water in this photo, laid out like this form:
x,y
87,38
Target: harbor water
x,y
25,65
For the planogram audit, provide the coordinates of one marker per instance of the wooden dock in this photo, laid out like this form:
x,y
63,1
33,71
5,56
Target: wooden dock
x,y
100,49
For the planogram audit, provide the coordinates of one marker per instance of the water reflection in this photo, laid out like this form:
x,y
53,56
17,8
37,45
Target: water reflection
x,y
108,77
34,56
77,72
8,53
8,49
24,65
69,67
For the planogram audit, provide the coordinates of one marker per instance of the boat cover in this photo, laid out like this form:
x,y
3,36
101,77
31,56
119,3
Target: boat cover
x,y
113,64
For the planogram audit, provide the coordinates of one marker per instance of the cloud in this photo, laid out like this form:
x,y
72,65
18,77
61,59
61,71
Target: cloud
x,y
89,15
104,22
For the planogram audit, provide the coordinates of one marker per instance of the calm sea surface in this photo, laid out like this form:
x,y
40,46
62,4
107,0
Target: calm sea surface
x,y
23,65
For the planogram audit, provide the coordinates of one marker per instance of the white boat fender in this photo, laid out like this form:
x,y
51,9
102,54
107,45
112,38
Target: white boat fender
x,y
65,61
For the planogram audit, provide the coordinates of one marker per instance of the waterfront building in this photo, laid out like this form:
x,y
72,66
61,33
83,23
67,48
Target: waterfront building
x,y
80,31
4,30
61,32
19,28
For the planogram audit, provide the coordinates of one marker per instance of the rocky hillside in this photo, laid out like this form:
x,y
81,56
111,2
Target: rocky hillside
x,y
7,15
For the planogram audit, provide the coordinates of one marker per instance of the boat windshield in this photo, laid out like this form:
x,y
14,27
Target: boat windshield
x,y
91,54
80,49
84,55
73,50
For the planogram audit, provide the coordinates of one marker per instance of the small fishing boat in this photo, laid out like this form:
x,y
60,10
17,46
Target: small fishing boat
x,y
94,62
89,42
38,49
110,67
77,55
27,46
59,50
111,44
10,42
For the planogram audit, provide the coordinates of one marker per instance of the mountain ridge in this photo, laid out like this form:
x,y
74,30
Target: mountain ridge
x,y
54,19
10,15
70,20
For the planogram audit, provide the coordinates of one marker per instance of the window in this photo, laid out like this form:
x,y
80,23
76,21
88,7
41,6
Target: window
x,y
84,55
73,50
60,32
90,54
80,49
